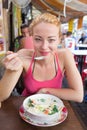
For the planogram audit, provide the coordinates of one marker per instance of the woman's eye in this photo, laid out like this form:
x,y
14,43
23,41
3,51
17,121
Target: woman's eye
x,y
37,39
51,40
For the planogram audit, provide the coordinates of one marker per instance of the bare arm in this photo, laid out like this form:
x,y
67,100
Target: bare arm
x,y
13,71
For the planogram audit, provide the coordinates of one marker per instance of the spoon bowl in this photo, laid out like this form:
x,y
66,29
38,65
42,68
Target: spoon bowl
x,y
40,58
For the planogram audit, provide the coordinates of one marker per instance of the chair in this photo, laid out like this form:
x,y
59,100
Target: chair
x,y
85,61
76,60
84,74
84,78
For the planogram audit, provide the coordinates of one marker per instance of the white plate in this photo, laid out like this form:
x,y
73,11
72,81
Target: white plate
x,y
26,117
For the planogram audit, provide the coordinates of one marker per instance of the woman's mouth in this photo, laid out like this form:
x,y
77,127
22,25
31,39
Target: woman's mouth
x,y
44,53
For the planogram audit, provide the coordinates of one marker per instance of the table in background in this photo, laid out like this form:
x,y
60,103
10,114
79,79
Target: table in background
x,y
81,46
80,54
10,119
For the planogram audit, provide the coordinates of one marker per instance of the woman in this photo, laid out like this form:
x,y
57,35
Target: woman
x,y
43,75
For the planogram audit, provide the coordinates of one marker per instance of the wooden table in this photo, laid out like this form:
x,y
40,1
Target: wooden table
x,y
10,119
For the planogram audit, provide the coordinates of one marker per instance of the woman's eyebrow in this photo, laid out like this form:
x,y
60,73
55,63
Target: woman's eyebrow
x,y
48,36
52,37
38,36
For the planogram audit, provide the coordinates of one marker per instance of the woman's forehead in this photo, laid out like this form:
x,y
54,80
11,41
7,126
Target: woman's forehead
x,y
45,28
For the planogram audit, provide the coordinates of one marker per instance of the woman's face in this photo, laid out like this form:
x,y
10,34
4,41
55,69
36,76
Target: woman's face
x,y
45,38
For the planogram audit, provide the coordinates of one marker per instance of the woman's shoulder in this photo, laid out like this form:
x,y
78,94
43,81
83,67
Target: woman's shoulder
x,y
64,55
64,52
65,58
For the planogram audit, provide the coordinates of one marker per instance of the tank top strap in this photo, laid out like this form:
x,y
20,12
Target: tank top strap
x,y
57,59
30,67
32,60
58,63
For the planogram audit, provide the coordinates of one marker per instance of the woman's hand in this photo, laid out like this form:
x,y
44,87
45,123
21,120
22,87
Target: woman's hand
x,y
43,90
12,61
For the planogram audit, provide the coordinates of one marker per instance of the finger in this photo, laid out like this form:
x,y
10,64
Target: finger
x,y
11,56
8,58
14,64
9,52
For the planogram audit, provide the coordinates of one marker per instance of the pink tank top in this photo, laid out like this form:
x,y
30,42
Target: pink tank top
x,y
32,85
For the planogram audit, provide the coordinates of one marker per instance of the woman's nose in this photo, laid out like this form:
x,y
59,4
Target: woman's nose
x,y
45,44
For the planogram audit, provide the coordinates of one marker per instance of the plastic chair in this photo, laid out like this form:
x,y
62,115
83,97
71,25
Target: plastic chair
x,y
84,74
85,61
76,60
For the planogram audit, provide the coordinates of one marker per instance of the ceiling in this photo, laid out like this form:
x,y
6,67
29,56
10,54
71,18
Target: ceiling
x,y
72,9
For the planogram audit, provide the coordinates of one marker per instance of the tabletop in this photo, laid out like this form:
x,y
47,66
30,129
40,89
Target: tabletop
x,y
82,45
11,120
79,52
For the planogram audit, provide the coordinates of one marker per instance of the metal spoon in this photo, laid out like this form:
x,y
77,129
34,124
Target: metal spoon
x,y
40,58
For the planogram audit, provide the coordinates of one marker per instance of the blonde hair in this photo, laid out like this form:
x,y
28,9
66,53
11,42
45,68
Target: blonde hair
x,y
47,18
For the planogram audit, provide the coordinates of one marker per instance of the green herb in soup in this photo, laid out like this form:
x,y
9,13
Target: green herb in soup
x,y
54,110
30,103
43,106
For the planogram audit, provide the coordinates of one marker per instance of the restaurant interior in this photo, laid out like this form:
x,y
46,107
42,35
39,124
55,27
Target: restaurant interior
x,y
71,14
